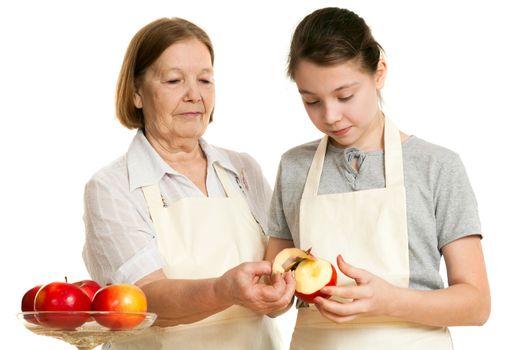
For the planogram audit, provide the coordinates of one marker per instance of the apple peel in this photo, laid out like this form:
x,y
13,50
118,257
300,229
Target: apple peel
x,y
289,258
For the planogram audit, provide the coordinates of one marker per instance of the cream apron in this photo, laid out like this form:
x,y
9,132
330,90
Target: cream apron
x,y
369,229
203,238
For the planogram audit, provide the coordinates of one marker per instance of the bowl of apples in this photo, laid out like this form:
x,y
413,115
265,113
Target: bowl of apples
x,y
85,314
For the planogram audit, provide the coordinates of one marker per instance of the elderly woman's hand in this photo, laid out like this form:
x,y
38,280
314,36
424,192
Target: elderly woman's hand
x,y
242,285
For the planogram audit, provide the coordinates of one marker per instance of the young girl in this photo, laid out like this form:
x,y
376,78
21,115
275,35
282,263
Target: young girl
x,y
388,203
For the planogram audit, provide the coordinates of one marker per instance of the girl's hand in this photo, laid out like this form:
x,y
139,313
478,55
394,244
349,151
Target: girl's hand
x,y
371,296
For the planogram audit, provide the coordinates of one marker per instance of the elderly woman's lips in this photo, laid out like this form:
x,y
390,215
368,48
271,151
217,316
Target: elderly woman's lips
x,y
191,114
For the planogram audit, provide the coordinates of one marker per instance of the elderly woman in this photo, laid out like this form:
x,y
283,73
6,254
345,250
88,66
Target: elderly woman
x,y
176,216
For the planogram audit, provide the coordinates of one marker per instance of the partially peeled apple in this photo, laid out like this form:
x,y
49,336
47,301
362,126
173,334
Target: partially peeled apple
x,y
311,273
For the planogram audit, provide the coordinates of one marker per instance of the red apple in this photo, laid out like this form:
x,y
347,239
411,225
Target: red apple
x,y
28,303
311,276
62,296
127,303
89,287
311,273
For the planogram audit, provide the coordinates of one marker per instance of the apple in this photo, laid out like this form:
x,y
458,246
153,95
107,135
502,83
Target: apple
x,y
89,287
126,302
28,303
311,273
62,296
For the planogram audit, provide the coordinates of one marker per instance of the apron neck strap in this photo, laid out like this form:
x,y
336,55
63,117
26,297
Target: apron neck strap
x,y
225,180
153,196
314,174
155,199
393,161
393,156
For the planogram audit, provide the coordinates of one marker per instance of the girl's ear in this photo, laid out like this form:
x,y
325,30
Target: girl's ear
x,y
380,74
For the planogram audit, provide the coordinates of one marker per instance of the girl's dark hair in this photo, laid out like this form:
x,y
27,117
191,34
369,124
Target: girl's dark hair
x,y
333,35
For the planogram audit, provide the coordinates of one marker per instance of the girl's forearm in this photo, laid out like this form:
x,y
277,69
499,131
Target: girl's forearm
x,y
458,305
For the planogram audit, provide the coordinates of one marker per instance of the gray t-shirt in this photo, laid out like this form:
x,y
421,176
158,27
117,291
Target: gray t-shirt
x,y
441,206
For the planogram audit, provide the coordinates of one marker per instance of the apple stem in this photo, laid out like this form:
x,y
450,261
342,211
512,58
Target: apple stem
x,y
65,277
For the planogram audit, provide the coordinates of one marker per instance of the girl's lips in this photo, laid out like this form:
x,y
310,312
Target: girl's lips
x,y
341,132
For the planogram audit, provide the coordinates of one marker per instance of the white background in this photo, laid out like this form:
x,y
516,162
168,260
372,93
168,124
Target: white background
x,y
456,71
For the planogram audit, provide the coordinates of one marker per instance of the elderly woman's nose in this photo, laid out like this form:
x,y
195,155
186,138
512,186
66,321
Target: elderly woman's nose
x,y
192,92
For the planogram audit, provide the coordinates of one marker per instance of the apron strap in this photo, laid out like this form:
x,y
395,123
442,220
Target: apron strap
x,y
314,174
393,161
155,203
153,196
155,199
393,156
225,181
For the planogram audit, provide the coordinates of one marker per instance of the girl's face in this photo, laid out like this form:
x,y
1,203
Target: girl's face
x,y
341,100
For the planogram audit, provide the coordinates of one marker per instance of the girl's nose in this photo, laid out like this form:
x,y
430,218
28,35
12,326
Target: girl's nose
x,y
331,114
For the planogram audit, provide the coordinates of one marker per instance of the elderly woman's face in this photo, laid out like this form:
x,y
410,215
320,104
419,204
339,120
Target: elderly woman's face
x,y
177,93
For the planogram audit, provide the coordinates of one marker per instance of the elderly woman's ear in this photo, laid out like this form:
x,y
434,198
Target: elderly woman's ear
x,y
137,99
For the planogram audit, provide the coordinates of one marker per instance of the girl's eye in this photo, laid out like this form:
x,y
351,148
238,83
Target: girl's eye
x,y
347,98
311,103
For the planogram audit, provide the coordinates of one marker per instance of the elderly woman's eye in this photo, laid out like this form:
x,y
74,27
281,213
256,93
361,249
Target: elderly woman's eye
x,y
173,81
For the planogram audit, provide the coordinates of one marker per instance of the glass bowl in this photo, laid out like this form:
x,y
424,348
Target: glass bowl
x,y
86,329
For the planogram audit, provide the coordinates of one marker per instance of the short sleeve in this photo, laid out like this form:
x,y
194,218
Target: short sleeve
x,y
456,207
277,224
146,260
120,245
